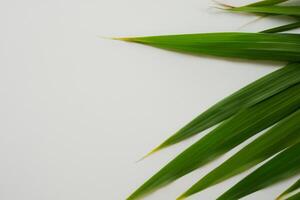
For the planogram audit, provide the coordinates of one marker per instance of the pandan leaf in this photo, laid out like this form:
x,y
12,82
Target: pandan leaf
x,y
281,136
283,28
257,46
251,94
267,3
290,190
260,3
276,10
283,166
228,135
294,197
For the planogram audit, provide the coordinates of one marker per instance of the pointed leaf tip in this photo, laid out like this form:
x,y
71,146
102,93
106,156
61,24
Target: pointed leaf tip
x,y
149,154
111,38
228,135
289,191
182,197
124,39
223,5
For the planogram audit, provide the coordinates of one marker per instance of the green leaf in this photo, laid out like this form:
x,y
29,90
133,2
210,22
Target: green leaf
x,y
228,135
294,197
290,190
283,166
283,28
257,46
267,3
245,97
260,3
277,10
281,136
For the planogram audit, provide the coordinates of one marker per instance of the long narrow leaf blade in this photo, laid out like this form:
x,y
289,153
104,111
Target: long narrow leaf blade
x,y
283,166
257,46
277,10
291,189
294,197
267,3
255,92
281,136
260,3
225,137
287,27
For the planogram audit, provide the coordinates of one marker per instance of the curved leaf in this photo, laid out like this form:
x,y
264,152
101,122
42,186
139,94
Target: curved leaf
x,y
229,134
245,97
281,136
283,166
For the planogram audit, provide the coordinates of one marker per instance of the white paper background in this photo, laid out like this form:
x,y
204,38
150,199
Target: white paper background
x,y
77,111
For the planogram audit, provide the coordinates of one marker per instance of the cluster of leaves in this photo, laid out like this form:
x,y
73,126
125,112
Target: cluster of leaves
x,y
271,102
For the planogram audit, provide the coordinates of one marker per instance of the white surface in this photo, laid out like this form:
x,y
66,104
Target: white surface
x,y
77,111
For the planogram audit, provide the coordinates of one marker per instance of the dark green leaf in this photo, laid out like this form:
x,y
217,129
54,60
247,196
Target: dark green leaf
x,y
283,28
291,189
229,134
281,136
276,10
283,166
245,97
267,3
294,197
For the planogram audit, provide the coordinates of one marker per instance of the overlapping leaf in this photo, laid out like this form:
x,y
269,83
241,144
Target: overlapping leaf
x,y
281,136
274,98
294,197
283,166
225,42
260,3
247,96
275,10
283,28
290,190
229,134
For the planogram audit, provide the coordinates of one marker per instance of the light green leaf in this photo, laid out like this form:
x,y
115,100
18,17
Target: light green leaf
x,y
283,166
281,136
257,46
245,97
229,134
